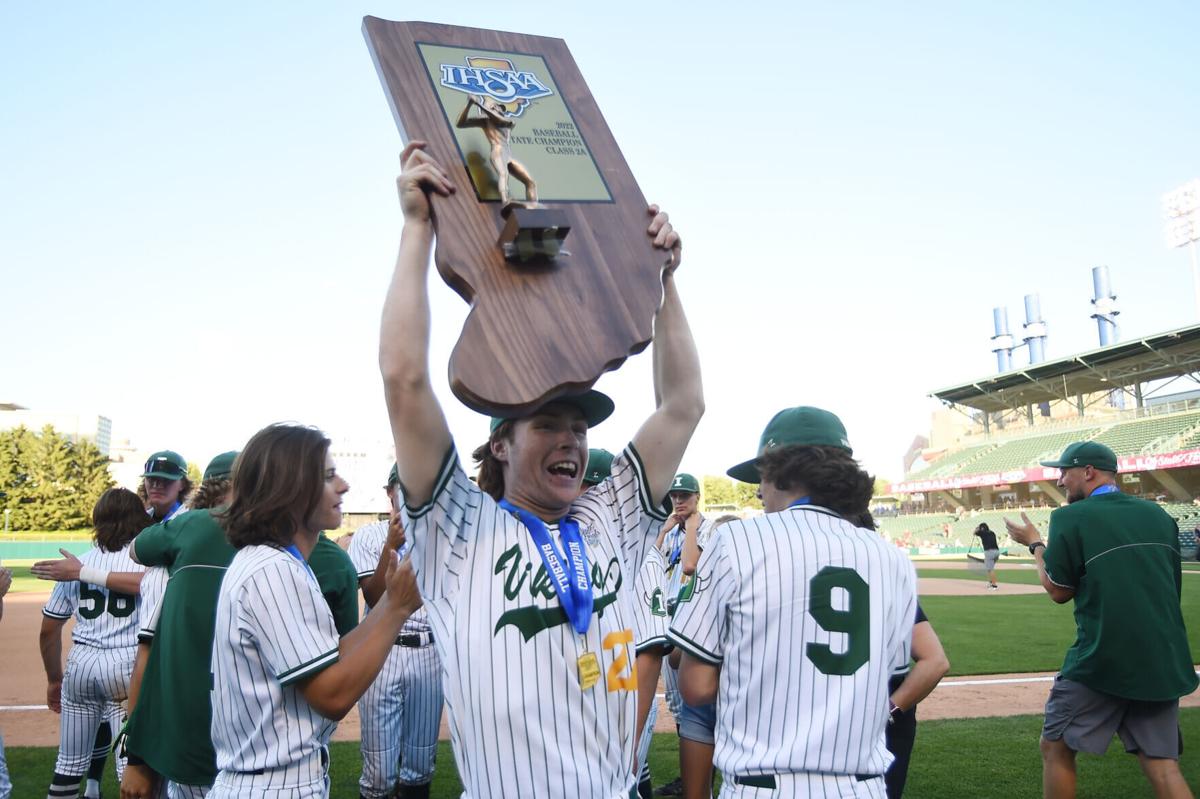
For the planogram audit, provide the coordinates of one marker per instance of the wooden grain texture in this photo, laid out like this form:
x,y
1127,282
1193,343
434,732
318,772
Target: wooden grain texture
x,y
531,335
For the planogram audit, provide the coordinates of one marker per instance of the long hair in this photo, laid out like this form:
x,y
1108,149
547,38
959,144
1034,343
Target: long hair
x,y
277,483
117,517
211,493
830,475
491,471
185,489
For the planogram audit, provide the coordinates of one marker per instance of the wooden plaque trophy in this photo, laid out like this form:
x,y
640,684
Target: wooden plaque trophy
x,y
546,235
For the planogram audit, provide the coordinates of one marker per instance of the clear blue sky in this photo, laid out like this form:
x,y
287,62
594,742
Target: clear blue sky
x,y
198,215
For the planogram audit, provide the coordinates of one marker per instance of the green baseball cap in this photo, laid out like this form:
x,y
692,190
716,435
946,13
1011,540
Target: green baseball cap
x,y
393,476
802,426
595,407
221,466
167,465
684,483
599,466
1086,453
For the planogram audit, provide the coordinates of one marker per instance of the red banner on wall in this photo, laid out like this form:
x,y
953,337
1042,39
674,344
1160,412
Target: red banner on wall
x,y
1127,463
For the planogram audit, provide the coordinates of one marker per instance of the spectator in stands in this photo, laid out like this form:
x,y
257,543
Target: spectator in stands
x,y
991,553
1128,606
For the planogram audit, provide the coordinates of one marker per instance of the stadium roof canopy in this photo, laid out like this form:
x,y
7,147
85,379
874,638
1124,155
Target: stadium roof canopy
x,y
1163,355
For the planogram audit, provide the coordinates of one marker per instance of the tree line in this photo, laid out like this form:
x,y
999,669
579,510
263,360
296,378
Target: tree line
x,y
48,481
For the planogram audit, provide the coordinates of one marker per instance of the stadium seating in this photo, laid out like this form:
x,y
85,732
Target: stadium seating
x,y
1132,438
951,464
1022,452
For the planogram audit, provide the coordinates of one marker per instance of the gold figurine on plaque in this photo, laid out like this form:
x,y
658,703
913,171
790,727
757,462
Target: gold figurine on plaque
x,y
497,126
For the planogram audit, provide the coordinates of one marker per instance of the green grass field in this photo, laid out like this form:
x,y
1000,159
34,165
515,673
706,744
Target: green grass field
x,y
24,581
993,634
978,757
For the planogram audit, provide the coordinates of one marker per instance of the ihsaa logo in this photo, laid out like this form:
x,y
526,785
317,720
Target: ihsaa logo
x,y
497,78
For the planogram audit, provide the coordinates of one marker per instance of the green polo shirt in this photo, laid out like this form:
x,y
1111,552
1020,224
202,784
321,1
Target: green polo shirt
x,y
169,727
1120,555
339,582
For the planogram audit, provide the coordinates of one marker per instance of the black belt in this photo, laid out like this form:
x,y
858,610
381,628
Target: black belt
x,y
414,640
768,780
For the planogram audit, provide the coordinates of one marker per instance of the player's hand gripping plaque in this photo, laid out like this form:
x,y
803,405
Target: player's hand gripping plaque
x,y
546,236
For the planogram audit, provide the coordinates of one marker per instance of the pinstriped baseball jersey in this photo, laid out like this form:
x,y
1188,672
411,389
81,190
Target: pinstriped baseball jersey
x,y
808,616
103,618
154,585
401,713
651,624
273,629
365,549
522,724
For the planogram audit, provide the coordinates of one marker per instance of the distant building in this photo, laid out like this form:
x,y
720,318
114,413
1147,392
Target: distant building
x,y
75,425
364,465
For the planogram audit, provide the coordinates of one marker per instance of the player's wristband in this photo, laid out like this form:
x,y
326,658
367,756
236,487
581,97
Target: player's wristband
x,y
92,575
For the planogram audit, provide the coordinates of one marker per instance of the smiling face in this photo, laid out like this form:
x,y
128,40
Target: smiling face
x,y
328,513
543,462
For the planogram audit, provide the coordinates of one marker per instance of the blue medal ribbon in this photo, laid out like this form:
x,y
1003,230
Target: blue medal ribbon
x,y
675,553
574,588
1104,489
801,501
294,551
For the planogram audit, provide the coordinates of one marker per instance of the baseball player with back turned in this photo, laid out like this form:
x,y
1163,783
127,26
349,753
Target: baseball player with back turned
x,y
401,712
105,639
803,695
528,584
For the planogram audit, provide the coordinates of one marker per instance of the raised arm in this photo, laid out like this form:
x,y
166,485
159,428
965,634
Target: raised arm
x,y
678,390
464,119
418,426
1026,533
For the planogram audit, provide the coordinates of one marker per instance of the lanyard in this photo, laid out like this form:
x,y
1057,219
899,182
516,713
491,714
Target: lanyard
x,y
166,516
574,589
1105,489
675,553
801,501
294,551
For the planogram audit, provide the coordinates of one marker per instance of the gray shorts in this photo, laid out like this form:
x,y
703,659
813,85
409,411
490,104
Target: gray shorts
x,y
1086,720
698,723
990,556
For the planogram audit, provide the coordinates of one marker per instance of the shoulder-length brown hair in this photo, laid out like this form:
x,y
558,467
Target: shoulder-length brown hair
x,y
277,483
117,517
491,471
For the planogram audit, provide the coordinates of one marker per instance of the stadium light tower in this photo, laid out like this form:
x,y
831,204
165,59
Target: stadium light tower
x,y
1182,209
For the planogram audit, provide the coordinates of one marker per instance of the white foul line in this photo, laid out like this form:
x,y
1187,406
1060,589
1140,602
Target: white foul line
x,y
1001,681
998,681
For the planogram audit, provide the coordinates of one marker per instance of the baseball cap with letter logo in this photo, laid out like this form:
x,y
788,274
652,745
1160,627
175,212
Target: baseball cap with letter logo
x,y
1086,453
802,426
599,466
684,484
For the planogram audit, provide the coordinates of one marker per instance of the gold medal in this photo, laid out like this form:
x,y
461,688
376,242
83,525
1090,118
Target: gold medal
x,y
589,670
